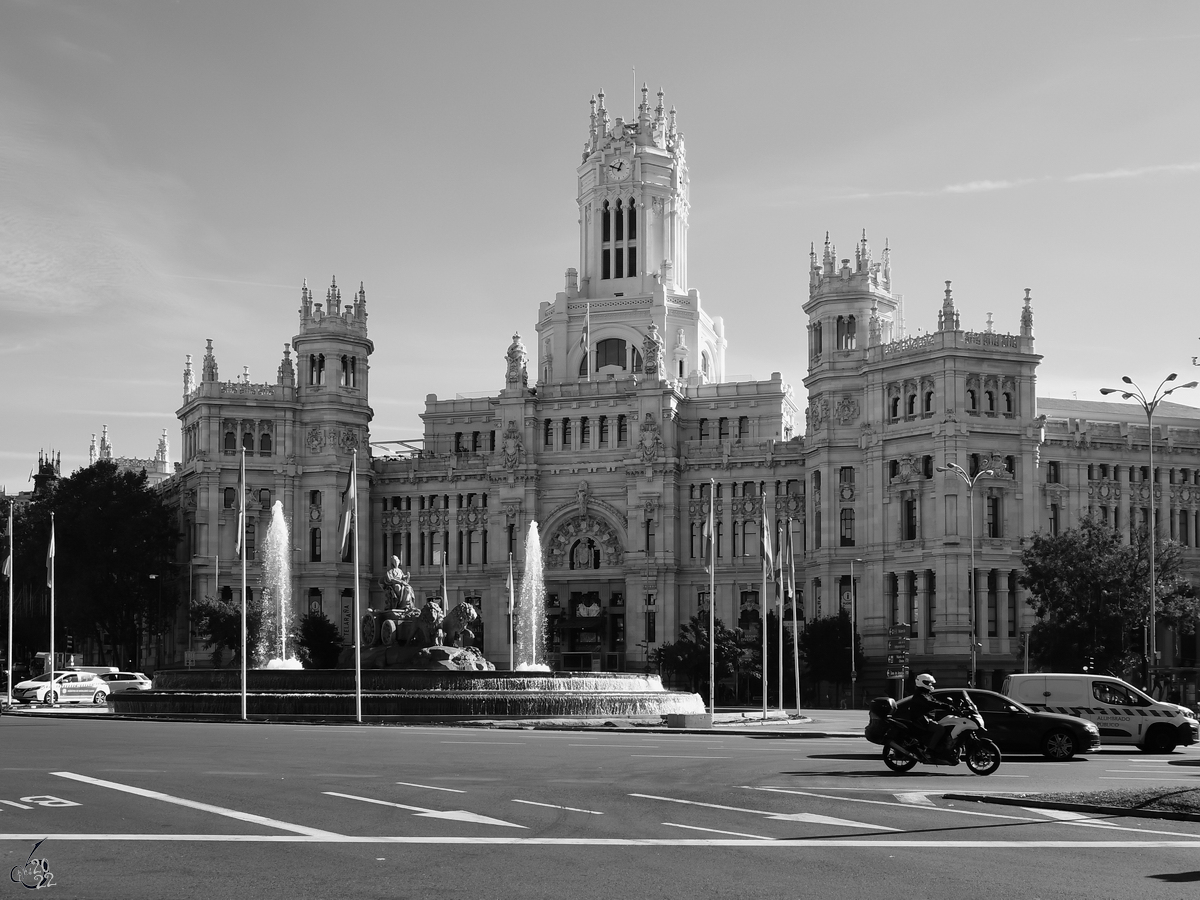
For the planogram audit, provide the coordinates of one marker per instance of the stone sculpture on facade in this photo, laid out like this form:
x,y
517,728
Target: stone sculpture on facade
x,y
652,351
649,441
512,446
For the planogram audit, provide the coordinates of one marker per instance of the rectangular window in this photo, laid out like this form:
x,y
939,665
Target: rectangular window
x,y
817,530
622,431
604,431
847,528
604,263
632,261
992,610
651,636
585,432
1012,604
909,530
618,259
548,435
931,602
722,428
703,430
632,222
994,526
1054,519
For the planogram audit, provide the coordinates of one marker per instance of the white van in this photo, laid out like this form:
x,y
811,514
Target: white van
x,y
1123,714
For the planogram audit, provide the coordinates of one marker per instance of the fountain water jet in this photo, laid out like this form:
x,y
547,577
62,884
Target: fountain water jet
x,y
277,593
530,624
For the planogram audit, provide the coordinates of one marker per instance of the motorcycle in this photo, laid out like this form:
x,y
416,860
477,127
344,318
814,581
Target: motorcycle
x,y
904,742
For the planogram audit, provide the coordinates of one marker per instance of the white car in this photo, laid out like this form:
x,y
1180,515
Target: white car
x,y
68,687
126,681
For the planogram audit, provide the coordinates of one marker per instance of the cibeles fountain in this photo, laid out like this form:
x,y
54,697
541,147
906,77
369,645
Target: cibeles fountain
x,y
410,672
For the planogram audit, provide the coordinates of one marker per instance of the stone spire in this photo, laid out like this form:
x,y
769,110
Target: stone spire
x,y
105,446
287,372
948,315
210,364
1027,317
189,377
93,453
306,305
360,304
163,452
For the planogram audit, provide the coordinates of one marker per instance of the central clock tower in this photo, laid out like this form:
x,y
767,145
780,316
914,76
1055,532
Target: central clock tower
x,y
633,203
632,280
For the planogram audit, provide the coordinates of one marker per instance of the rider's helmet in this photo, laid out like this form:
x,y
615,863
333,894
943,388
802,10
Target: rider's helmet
x,y
925,682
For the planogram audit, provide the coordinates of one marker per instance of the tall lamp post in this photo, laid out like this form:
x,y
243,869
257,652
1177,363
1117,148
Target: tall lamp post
x,y
853,634
1149,405
970,480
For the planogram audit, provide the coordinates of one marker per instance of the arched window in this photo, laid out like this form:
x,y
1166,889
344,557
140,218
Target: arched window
x,y
344,375
894,408
622,431
847,339
548,434
632,229
619,227
605,237
928,402
1008,403
610,352
704,363
566,434
972,401
990,400
636,366
316,369
911,406
264,444
264,498
248,441
230,498
230,442
353,371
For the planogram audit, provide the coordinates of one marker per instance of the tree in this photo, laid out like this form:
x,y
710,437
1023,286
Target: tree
x,y
114,541
687,658
1090,594
319,641
750,665
219,622
825,647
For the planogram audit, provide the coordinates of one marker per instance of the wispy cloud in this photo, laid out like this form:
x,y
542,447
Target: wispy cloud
x,y
1142,172
985,186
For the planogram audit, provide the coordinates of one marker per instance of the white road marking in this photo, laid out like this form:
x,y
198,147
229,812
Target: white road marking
x,y
811,818
482,743
590,812
813,843
454,815
193,804
716,831
1144,771
665,756
16,804
1062,815
622,746
964,812
430,787
914,798
1136,778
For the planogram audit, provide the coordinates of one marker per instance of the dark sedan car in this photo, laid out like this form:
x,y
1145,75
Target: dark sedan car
x,y
1018,729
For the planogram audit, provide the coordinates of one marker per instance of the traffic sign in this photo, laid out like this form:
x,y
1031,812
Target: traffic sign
x,y
897,672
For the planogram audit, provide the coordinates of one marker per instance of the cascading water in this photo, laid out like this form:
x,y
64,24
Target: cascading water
x,y
277,593
530,625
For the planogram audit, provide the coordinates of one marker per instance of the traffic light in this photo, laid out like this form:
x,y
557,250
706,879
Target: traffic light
x,y
70,643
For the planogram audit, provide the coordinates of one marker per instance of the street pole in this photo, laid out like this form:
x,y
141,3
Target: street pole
x,y
1150,405
986,469
853,635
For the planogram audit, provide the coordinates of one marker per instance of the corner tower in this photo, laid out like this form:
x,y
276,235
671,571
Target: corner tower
x,y
633,221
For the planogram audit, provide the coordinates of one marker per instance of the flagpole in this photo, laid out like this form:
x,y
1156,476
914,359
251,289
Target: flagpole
x,y
357,605
52,692
9,569
242,544
795,602
587,333
779,594
764,540
512,639
712,600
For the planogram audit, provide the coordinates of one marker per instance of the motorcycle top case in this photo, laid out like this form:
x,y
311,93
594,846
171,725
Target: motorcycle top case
x,y
877,727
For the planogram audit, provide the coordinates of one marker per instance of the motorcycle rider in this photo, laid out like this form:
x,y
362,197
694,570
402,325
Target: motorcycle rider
x,y
925,709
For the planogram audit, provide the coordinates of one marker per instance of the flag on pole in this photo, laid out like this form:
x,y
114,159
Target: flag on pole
x,y
347,514
706,533
509,585
780,581
50,558
585,341
9,532
791,553
241,532
764,537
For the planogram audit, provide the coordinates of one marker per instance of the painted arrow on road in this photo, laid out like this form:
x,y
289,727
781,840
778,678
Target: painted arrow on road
x,y
454,815
811,818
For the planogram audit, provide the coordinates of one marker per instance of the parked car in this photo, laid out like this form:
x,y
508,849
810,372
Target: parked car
x,y
127,681
68,687
1018,729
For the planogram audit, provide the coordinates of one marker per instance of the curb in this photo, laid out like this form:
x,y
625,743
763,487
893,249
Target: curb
x,y
1124,811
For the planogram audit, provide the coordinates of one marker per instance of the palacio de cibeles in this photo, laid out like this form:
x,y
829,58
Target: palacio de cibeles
x,y
613,426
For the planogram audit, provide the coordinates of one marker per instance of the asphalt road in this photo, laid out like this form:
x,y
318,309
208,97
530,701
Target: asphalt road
x,y
134,809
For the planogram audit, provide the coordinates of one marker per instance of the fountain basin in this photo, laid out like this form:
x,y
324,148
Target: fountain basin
x,y
405,693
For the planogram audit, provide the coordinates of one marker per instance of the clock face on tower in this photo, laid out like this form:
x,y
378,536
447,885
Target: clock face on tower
x,y
618,169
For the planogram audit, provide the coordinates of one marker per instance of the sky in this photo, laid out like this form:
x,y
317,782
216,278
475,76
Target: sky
x,y
173,171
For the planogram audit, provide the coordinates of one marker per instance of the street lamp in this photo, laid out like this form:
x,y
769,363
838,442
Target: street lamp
x,y
853,634
969,481
1149,406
